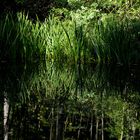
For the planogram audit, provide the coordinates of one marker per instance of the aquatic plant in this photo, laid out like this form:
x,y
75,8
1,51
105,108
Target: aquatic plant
x,y
114,41
21,39
107,40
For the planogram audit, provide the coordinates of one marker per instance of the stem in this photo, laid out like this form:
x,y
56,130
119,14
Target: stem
x,y
51,128
91,127
60,123
79,130
6,114
97,126
102,127
122,125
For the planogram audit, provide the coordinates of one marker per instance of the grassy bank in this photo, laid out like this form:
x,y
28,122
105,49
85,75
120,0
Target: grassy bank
x,y
88,35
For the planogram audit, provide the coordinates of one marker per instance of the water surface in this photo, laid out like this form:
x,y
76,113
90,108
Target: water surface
x,y
48,101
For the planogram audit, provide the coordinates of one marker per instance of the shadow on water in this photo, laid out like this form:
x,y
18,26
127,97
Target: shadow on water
x,y
85,102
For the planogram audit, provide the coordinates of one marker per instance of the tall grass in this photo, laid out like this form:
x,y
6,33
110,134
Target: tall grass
x,y
23,40
20,39
108,40
8,37
64,40
115,41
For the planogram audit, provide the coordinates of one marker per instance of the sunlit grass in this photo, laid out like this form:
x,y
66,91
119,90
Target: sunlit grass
x,y
108,40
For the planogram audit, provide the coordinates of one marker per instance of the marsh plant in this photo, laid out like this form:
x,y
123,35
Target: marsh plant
x,y
114,41
16,39
106,40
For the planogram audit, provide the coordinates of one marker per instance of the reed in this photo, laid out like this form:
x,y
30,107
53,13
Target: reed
x,y
107,41
21,39
8,37
114,41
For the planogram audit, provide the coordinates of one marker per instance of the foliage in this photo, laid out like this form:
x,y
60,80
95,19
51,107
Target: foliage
x,y
91,32
77,99
107,40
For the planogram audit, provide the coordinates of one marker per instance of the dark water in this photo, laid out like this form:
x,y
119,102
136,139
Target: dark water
x,y
69,102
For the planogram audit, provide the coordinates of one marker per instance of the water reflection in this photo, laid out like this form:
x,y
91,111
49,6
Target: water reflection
x,y
85,102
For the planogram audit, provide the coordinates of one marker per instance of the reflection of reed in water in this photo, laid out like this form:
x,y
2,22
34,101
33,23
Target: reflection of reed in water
x,y
6,114
55,109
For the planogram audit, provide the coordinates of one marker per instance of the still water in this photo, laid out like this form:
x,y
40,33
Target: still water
x,y
48,101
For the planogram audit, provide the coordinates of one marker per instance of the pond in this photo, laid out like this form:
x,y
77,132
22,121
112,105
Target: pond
x,y
49,101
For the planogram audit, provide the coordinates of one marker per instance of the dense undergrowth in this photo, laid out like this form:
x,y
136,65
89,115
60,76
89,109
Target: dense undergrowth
x,y
80,32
